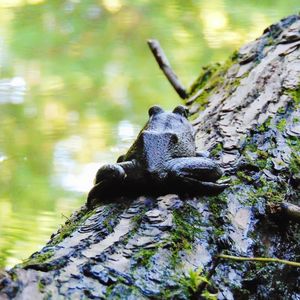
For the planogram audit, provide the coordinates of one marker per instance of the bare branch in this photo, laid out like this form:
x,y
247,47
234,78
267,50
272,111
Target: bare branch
x,y
165,66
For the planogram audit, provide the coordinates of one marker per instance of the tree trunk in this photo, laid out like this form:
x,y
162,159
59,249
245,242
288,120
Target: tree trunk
x,y
246,113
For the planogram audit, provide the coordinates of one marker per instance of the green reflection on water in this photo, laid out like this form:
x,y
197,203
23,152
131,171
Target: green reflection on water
x,y
89,80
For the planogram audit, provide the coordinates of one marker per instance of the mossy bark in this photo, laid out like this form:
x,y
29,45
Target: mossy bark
x,y
246,112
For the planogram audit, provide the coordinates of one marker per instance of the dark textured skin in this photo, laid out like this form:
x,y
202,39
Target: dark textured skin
x,y
163,159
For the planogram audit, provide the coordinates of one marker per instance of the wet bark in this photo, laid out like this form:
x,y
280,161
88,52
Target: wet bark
x,y
247,114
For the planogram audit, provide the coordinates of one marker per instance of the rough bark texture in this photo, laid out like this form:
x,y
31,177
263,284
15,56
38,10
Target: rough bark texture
x,y
247,114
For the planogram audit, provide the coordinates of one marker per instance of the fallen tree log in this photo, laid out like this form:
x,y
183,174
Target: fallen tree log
x,y
246,112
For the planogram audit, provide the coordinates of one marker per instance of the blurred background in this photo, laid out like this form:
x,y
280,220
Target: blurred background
x,y
76,81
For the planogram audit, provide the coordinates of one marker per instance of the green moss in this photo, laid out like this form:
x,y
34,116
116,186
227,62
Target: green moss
x,y
187,221
296,120
216,204
261,161
294,144
281,125
262,164
217,150
262,154
171,294
203,100
234,56
138,218
295,163
214,208
70,226
65,231
107,225
265,126
14,276
274,196
218,232
204,76
250,146
272,192
281,110
213,77
244,177
295,94
270,41
143,256
41,285
120,290
37,258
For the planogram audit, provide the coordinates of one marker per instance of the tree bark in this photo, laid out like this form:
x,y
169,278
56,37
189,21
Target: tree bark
x,y
246,113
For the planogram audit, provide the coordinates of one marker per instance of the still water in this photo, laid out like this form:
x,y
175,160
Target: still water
x,y
76,80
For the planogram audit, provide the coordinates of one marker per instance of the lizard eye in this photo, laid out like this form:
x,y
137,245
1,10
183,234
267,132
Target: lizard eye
x,y
181,110
155,110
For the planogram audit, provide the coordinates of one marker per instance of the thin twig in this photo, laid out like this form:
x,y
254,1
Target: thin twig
x,y
165,66
261,259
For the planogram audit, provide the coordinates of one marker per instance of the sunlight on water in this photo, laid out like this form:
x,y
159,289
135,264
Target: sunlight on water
x,y
78,177
12,90
76,82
